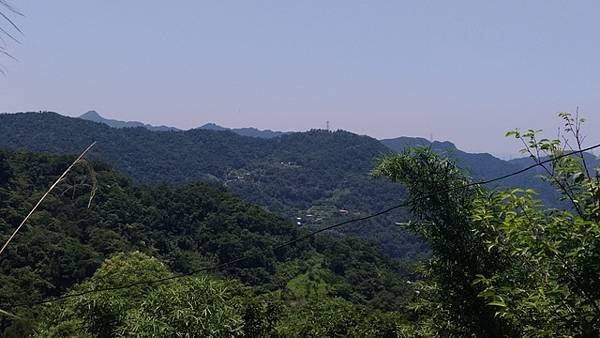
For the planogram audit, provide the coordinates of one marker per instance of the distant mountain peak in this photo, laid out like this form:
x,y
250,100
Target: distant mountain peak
x,y
212,126
93,116
250,132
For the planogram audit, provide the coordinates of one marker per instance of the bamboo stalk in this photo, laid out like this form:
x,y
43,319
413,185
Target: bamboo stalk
x,y
44,197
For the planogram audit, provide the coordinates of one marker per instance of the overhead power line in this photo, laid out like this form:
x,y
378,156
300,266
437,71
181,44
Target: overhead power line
x,y
305,236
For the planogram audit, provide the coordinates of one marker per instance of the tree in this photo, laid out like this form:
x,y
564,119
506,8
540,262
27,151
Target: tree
x,y
334,317
102,314
442,209
552,287
201,306
503,264
5,171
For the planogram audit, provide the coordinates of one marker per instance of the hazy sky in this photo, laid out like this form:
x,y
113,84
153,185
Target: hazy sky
x,y
464,71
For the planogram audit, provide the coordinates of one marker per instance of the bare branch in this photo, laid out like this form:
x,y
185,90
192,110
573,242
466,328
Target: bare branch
x,y
5,9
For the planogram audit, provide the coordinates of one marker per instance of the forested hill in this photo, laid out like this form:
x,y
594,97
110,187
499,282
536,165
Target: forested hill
x,y
591,161
481,166
478,165
314,177
182,156
188,226
317,176
252,132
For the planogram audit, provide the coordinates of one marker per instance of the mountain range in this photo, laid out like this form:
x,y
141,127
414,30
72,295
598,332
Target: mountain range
x,y
398,144
313,178
92,115
251,132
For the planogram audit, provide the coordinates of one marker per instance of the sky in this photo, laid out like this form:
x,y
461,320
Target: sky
x,y
463,71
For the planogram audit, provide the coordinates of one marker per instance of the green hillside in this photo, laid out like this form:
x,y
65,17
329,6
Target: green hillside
x,y
317,176
189,226
311,178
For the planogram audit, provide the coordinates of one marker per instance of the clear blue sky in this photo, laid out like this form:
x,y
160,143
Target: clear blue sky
x,y
464,71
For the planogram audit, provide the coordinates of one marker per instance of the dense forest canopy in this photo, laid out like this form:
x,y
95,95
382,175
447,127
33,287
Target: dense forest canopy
x,y
188,227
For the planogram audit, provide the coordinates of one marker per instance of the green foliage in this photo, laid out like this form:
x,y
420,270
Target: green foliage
x,y
482,166
333,317
443,209
552,286
202,306
325,318
313,173
288,175
503,264
102,313
314,284
5,172
188,227
192,307
197,307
